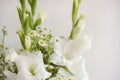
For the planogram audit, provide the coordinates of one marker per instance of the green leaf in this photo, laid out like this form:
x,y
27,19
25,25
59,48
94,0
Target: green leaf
x,y
74,11
64,67
21,36
33,6
30,1
23,3
37,22
31,22
21,16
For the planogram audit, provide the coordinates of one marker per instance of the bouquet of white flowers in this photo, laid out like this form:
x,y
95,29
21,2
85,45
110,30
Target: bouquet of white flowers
x,y
44,56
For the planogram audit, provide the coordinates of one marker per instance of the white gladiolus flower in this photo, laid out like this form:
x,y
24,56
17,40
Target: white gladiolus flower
x,y
70,49
27,42
30,66
77,67
74,48
68,53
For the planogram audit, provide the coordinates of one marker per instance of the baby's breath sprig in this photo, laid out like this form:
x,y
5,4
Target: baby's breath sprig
x,y
4,31
77,23
2,54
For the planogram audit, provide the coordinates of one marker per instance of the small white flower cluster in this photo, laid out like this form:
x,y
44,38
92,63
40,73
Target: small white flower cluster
x,y
41,36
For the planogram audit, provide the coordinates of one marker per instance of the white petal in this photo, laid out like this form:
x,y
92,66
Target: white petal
x,y
74,48
78,68
9,75
11,55
55,58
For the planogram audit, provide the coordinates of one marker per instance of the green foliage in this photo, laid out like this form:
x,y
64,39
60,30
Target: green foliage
x,y
27,19
21,15
23,3
33,6
2,66
37,22
12,67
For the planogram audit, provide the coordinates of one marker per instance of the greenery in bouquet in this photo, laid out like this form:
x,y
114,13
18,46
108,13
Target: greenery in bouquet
x,y
43,56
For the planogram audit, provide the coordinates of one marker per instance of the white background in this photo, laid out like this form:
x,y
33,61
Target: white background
x,y
103,22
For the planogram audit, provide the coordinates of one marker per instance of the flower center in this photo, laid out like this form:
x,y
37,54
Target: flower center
x,y
42,42
32,33
70,79
60,78
32,71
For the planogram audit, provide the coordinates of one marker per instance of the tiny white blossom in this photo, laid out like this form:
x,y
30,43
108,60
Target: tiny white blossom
x,y
42,43
32,33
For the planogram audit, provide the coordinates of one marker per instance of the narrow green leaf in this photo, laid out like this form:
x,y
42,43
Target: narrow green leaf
x,y
21,36
38,22
31,22
29,1
74,11
64,67
23,3
33,6
21,16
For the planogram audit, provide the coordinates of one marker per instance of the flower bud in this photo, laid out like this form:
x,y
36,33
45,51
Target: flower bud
x,y
78,28
42,15
27,42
